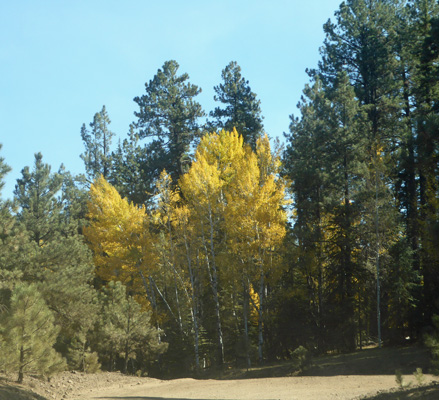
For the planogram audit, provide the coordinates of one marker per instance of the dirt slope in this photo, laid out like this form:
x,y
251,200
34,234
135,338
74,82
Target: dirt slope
x,y
366,373
290,388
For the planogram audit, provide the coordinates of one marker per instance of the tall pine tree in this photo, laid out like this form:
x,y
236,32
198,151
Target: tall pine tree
x,y
242,110
97,142
168,113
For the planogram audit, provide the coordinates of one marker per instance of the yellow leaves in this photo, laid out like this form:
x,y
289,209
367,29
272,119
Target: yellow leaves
x,y
268,163
118,232
231,197
202,184
254,300
255,213
379,151
222,151
168,200
241,189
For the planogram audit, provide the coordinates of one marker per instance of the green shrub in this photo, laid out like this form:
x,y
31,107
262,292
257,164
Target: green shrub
x,y
399,378
419,376
301,356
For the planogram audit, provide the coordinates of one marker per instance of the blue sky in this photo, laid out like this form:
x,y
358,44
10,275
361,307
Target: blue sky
x,y
60,61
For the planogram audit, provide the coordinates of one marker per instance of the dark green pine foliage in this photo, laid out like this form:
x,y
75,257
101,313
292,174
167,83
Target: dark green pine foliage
x,y
365,43
241,109
35,194
406,182
426,98
9,238
125,332
302,163
4,169
345,165
56,258
29,335
4,205
74,197
168,113
80,355
97,142
401,284
325,161
136,168
65,271
362,43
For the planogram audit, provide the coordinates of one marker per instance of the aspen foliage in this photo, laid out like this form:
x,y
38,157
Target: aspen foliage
x,y
118,235
220,232
255,215
167,245
238,200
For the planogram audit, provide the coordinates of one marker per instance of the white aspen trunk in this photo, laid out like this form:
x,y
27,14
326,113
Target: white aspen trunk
x,y
215,292
260,314
245,311
194,311
150,295
213,277
177,298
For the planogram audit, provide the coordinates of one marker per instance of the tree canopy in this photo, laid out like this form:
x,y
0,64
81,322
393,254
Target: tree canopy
x,y
194,243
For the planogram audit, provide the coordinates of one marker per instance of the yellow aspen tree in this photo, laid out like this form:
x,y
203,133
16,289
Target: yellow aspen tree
x,y
236,199
118,235
256,218
202,188
185,231
164,217
177,252
239,220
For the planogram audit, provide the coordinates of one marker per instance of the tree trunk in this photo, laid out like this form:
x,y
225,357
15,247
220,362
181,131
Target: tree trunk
x,y
21,367
213,275
260,314
194,306
245,312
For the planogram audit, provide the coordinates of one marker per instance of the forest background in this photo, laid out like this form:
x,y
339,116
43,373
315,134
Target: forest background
x,y
195,242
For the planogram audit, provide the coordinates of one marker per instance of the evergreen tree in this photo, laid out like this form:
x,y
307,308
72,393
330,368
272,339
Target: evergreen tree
x,y
168,113
35,194
64,271
325,161
136,168
426,124
302,164
4,169
242,110
80,356
10,236
54,256
365,43
29,333
97,142
345,165
73,198
126,327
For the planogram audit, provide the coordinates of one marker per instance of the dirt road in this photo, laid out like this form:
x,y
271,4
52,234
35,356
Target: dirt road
x,y
291,388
